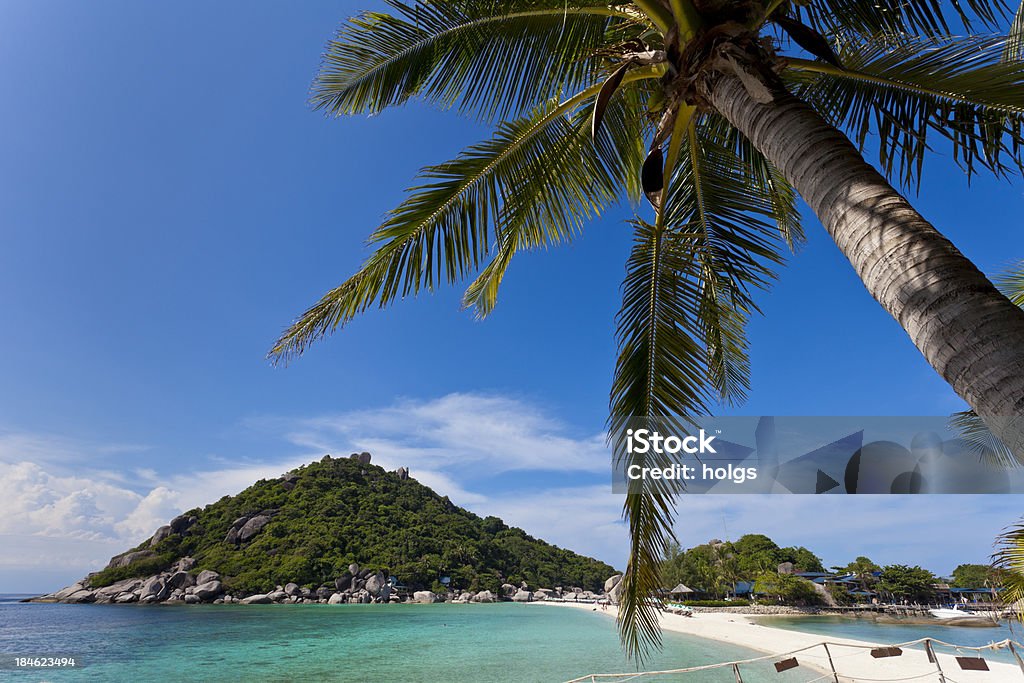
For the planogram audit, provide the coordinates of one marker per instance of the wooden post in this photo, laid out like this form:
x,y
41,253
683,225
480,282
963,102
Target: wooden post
x,y
835,674
1020,662
736,670
932,656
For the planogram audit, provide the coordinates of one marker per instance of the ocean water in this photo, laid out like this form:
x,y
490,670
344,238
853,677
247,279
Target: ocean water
x,y
889,633
503,642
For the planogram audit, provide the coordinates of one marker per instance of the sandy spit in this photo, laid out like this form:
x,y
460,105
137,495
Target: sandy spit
x,y
852,659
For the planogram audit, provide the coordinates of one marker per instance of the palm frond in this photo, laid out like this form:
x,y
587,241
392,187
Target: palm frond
x,y
911,92
1011,284
923,17
738,215
582,175
1014,49
497,59
980,440
682,347
765,180
444,229
660,370
1009,556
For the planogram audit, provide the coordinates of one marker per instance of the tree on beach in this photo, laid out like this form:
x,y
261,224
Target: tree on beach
x,y
719,114
1009,560
803,559
786,588
863,569
977,576
710,568
907,583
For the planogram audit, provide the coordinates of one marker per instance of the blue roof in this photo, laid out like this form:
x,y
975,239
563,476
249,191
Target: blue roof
x,y
970,590
742,587
807,574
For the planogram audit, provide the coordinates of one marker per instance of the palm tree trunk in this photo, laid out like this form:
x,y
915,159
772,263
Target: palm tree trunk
x,y
970,333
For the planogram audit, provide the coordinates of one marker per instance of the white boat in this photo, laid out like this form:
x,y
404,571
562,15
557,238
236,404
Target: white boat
x,y
955,613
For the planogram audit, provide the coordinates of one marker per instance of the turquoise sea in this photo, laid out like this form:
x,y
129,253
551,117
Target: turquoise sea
x,y
889,633
504,642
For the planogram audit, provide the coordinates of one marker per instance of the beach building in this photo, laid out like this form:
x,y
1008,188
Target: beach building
x,y
743,589
946,594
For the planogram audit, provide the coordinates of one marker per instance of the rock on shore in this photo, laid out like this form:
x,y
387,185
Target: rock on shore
x,y
184,584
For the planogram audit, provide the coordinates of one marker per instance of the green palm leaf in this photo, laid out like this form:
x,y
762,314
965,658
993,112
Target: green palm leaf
x,y
909,91
738,211
660,370
980,440
924,17
1009,556
726,214
492,58
581,176
444,230
767,181
1011,283
687,296
1014,50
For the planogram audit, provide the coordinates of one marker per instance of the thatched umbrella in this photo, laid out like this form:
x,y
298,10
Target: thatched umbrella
x,y
681,590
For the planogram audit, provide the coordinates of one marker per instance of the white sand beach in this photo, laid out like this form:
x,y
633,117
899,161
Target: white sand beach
x,y
851,657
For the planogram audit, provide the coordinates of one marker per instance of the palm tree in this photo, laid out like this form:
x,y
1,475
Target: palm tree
x,y
1009,557
692,105
863,570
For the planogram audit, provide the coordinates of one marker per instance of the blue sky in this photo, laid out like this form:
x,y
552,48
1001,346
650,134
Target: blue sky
x,y
168,202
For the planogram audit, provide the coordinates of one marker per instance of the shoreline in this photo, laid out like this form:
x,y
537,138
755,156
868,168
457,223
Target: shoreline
x,y
852,659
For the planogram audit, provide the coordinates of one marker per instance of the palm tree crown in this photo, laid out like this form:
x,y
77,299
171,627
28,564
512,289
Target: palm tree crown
x,y
595,100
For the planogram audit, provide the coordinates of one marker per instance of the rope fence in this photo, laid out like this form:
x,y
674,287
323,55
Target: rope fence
x,y
787,661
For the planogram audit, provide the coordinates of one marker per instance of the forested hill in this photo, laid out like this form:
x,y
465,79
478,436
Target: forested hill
x,y
310,524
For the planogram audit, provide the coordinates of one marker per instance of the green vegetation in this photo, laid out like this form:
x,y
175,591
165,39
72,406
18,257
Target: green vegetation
x,y
714,603
861,567
787,588
145,567
977,576
715,567
1009,558
907,583
340,511
840,595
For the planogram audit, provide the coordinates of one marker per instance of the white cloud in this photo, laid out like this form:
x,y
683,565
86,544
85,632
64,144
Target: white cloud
x,y
76,522
483,435
35,501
